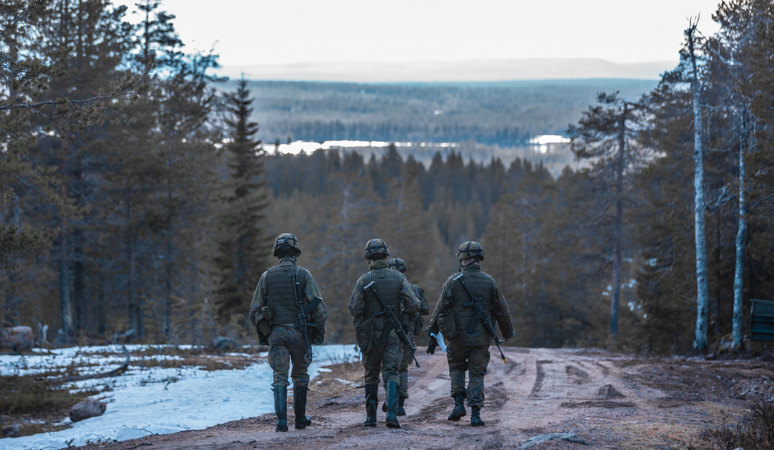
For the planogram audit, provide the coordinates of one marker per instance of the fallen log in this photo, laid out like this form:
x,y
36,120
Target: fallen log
x,y
112,373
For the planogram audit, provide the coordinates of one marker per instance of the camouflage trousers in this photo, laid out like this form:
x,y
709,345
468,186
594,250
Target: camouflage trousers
x,y
287,344
384,357
471,358
403,372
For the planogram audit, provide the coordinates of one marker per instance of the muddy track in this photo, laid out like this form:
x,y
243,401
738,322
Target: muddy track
x,y
611,401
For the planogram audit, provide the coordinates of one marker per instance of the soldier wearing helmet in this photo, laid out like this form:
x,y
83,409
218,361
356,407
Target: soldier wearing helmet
x,y
468,348
413,326
382,350
274,312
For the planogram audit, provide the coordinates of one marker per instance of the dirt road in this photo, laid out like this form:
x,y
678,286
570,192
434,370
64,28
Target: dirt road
x,y
607,400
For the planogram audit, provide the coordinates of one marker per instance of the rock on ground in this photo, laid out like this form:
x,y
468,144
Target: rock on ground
x,y
17,338
11,431
86,409
535,440
224,343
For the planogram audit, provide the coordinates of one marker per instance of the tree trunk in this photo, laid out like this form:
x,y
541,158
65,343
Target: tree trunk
x,y
100,306
130,257
741,237
167,315
79,275
11,297
616,286
702,289
11,301
66,326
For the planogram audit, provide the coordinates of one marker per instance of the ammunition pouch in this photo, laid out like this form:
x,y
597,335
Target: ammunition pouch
x,y
447,324
317,334
405,322
364,334
263,326
262,338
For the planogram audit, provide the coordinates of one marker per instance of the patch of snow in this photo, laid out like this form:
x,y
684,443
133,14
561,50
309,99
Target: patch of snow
x,y
161,401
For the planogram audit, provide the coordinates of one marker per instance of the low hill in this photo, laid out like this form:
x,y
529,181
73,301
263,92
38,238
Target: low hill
x,y
506,113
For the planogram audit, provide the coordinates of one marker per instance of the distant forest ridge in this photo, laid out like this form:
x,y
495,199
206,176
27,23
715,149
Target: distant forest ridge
x,y
553,157
502,113
455,71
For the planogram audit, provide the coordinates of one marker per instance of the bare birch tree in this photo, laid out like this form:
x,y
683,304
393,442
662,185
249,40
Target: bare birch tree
x,y
702,291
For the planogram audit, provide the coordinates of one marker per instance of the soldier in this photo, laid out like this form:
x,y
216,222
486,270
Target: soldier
x,y
413,326
381,351
275,314
454,314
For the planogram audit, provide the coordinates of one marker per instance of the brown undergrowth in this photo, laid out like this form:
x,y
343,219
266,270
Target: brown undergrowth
x,y
34,405
755,431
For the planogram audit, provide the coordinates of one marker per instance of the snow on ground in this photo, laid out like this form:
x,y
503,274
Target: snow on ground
x,y
160,401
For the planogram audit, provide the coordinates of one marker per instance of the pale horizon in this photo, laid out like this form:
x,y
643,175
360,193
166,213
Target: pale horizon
x,y
268,33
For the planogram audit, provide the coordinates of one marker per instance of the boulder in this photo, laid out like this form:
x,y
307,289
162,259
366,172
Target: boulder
x,y
17,338
224,343
86,409
11,431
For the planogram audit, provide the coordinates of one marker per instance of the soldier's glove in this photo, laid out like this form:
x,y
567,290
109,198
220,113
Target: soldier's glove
x,y
318,339
433,345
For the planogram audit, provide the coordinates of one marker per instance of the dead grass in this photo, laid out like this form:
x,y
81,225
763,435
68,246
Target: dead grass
x,y
754,431
34,406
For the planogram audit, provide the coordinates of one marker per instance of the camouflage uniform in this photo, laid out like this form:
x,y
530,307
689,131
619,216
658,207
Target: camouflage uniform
x,y
384,357
286,341
275,313
470,351
415,326
381,352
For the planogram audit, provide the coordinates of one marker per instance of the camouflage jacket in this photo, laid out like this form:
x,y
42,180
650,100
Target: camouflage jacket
x,y
357,302
424,307
258,306
499,313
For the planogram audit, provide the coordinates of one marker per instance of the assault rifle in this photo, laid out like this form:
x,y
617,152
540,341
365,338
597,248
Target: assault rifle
x,y
480,315
393,322
303,311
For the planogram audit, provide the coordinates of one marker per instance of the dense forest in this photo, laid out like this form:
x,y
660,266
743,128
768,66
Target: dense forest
x,y
503,113
138,203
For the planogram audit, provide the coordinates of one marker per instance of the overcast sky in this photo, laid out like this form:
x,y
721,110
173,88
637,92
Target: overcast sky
x,y
253,32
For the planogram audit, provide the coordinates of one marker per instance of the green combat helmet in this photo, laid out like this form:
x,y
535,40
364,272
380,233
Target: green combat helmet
x,y
375,247
397,264
286,240
470,249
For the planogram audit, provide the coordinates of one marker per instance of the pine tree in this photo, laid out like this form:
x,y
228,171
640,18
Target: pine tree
x,y
607,135
242,251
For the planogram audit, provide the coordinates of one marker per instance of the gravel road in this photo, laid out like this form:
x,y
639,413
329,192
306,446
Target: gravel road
x,y
607,400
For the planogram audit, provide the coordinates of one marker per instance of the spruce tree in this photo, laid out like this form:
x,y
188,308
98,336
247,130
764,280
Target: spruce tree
x,y
243,251
606,134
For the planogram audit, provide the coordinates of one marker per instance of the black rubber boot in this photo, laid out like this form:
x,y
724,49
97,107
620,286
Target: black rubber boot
x,y
299,407
392,405
372,400
475,418
281,407
459,408
401,411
